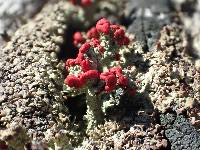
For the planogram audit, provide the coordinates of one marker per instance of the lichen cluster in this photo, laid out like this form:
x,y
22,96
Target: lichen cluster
x,y
82,2
99,68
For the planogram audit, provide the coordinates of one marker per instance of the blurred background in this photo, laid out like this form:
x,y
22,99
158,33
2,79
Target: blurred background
x,y
14,13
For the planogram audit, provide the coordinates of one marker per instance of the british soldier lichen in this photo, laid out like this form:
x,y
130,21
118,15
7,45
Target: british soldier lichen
x,y
82,2
98,68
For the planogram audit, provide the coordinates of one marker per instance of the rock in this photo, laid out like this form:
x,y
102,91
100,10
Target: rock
x,y
180,133
25,70
15,13
146,19
190,18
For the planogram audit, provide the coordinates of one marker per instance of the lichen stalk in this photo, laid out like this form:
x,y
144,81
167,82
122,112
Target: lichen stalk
x,y
94,111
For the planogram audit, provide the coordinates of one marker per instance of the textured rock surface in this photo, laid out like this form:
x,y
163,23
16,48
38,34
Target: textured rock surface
x,y
15,13
180,132
171,80
146,19
135,135
31,78
189,13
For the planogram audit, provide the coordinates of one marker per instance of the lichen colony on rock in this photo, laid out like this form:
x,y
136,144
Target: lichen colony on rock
x,y
99,68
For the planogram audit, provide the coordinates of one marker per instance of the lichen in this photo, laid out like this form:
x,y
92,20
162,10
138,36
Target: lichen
x,y
93,71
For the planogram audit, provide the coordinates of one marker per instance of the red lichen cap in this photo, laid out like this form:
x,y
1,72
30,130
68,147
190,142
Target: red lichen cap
x,y
70,62
91,74
111,80
119,33
123,41
85,65
86,2
108,89
126,40
103,25
104,75
101,48
92,33
73,2
123,81
79,58
73,81
84,48
114,27
116,70
96,43
78,38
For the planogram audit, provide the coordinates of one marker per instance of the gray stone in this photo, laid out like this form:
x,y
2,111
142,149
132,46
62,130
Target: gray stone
x,y
146,18
14,13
